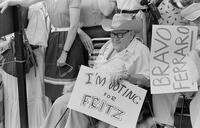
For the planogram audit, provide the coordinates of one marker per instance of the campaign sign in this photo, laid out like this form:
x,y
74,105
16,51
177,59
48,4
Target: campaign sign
x,y
169,67
94,95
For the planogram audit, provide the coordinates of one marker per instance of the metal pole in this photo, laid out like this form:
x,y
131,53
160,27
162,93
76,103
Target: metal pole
x,y
18,28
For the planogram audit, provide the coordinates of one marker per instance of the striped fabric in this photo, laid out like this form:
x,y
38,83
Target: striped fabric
x,y
98,43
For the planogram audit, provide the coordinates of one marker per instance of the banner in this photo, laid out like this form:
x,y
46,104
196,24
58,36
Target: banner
x,y
169,67
118,105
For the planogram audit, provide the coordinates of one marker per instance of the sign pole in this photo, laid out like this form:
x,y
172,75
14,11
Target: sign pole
x,y
21,76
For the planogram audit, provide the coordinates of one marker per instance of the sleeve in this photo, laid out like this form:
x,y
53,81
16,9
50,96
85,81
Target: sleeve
x,y
74,3
142,63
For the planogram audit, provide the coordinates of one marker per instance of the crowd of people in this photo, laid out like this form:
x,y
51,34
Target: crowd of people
x,y
61,32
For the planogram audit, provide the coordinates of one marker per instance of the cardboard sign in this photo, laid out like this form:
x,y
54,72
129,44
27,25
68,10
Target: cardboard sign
x,y
169,49
118,105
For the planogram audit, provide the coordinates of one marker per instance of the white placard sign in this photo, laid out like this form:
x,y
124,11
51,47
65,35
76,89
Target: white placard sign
x,y
118,105
169,48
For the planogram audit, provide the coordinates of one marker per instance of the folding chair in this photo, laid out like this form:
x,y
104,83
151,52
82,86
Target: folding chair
x,y
98,43
182,112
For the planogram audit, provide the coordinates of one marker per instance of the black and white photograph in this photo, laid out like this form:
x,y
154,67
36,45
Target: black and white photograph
x,y
99,63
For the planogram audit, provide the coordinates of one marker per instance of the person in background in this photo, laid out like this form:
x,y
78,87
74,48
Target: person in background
x,y
135,68
37,33
90,27
124,6
38,104
62,67
192,14
90,23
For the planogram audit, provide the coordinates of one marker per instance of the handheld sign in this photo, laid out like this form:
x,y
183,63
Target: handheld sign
x,y
118,105
169,65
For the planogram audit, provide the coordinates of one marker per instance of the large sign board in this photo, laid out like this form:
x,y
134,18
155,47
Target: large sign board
x,y
169,49
118,105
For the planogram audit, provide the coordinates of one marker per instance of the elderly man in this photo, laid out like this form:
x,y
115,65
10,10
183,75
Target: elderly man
x,y
124,56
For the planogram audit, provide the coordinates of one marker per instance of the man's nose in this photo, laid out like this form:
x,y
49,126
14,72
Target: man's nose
x,y
115,38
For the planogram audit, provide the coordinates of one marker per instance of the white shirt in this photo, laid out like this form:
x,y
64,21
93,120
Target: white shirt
x,y
135,58
37,31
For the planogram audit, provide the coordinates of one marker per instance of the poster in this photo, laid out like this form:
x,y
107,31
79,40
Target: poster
x,y
169,68
118,105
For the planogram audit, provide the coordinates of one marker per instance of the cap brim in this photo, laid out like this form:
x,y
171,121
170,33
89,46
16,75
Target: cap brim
x,y
107,25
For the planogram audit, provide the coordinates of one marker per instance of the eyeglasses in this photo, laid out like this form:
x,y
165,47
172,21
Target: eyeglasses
x,y
118,35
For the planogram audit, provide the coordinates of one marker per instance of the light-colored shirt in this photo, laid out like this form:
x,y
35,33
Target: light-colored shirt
x,y
90,13
37,30
58,11
195,103
129,5
135,59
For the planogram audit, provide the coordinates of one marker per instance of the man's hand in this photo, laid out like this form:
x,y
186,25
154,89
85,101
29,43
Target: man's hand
x,y
139,80
117,77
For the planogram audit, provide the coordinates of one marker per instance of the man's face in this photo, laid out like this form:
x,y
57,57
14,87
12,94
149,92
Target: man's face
x,y
118,37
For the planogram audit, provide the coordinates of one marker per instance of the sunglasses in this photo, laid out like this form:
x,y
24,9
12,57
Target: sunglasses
x,y
118,35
